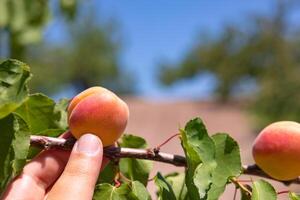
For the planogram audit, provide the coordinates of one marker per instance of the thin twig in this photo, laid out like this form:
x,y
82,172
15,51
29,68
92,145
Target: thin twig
x,y
245,181
117,180
166,141
113,152
283,192
124,177
241,186
235,191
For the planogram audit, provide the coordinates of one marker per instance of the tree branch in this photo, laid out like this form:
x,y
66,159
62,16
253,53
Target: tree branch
x,y
113,152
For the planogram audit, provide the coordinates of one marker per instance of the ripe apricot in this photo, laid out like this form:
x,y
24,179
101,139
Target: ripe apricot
x,y
98,111
276,150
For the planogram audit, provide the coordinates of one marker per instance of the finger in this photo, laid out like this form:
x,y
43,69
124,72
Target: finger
x,y
81,172
41,172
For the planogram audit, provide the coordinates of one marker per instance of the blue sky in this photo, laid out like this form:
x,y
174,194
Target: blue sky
x,y
165,30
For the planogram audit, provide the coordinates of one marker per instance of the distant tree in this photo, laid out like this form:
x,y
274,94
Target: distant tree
x,y
89,56
23,21
264,52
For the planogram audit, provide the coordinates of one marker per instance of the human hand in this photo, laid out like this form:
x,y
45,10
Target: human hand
x,y
59,174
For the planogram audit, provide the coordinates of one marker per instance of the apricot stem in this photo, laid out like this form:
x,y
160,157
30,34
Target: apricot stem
x,y
166,141
244,181
116,180
241,186
283,192
122,176
234,195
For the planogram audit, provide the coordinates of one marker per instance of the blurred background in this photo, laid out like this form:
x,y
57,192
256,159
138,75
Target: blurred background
x,y
236,64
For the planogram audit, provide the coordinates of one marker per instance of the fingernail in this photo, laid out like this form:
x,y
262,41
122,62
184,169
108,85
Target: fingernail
x,y
88,143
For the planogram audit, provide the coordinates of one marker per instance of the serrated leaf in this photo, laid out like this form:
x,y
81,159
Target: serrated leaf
x,y
39,113
14,145
199,149
293,196
135,169
139,191
14,76
263,190
228,164
165,191
110,192
177,182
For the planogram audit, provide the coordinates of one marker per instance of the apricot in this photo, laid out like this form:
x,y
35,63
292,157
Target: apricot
x,y
276,150
100,112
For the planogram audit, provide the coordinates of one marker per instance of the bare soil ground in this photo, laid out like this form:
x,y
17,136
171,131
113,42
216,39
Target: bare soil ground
x,y
156,121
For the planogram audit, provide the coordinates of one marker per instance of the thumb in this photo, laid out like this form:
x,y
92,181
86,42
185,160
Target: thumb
x,y
81,172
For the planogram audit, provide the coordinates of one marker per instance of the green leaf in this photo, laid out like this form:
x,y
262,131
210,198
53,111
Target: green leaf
x,y
139,191
228,164
202,179
293,196
43,117
177,182
51,132
263,190
6,153
39,113
165,191
20,144
135,169
61,114
199,149
14,146
133,141
127,191
107,175
14,76
109,192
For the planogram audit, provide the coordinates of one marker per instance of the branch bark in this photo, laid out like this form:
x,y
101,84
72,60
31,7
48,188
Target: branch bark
x,y
113,152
